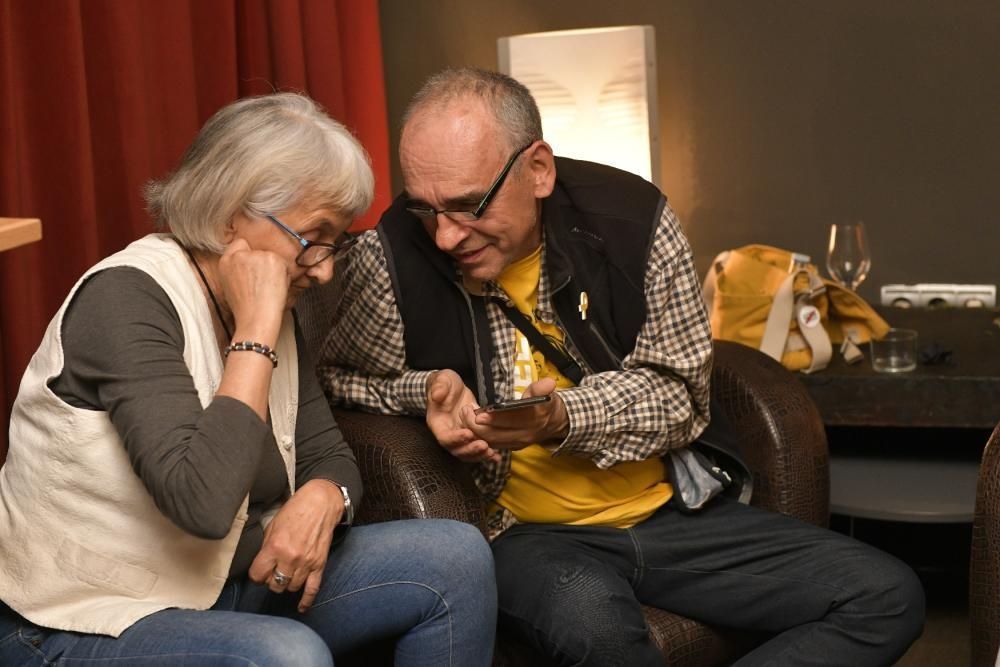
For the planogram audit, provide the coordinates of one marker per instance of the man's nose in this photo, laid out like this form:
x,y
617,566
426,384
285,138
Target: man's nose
x,y
448,234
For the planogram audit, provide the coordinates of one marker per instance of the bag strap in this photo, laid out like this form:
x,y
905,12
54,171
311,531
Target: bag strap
x,y
787,305
708,286
566,366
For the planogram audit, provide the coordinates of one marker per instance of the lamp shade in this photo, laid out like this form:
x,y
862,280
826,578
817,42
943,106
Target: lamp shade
x,y
596,90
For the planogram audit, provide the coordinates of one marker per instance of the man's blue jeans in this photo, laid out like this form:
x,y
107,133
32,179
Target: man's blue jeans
x,y
428,582
574,592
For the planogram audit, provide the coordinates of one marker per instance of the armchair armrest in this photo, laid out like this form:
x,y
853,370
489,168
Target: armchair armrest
x,y
984,568
407,474
781,434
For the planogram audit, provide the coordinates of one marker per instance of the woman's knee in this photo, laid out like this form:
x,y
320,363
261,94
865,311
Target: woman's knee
x,y
450,558
463,547
447,549
463,562
283,642
445,581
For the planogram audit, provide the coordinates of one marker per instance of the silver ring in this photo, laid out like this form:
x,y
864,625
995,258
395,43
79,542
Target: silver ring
x,y
280,578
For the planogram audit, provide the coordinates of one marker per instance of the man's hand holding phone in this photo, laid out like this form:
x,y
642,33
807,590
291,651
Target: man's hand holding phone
x,y
475,434
538,417
517,404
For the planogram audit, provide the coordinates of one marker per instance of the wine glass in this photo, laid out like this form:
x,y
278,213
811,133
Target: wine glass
x,y
847,257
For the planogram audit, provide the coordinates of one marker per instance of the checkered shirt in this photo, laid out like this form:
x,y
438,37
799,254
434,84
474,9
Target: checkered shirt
x,y
656,402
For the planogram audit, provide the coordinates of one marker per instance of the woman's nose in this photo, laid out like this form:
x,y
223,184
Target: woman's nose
x,y
322,273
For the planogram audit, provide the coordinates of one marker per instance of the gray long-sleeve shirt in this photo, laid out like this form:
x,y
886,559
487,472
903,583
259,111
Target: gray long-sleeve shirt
x,y
123,344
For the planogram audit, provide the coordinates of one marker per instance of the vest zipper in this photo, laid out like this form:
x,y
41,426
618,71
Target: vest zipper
x,y
480,376
590,325
604,344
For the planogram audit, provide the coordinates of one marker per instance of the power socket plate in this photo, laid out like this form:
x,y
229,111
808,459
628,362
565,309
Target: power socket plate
x,y
936,295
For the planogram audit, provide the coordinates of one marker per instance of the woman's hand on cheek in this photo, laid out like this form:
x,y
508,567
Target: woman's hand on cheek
x,y
255,285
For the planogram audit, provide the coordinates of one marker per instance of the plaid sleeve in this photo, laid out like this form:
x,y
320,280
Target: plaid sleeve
x,y
362,363
659,400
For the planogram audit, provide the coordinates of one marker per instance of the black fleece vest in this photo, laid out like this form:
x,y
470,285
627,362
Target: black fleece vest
x,y
599,224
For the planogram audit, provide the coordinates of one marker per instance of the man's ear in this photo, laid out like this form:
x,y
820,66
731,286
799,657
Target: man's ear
x,y
542,164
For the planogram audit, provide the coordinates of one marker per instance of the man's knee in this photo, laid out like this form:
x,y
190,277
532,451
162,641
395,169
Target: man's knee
x,y
574,609
890,598
906,599
576,619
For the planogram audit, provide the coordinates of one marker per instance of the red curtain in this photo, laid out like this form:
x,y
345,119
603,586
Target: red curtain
x,y
99,96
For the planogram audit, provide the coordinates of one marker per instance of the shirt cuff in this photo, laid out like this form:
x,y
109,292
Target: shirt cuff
x,y
411,391
587,420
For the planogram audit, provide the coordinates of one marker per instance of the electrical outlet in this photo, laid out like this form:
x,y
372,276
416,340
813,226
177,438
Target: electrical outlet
x,y
938,295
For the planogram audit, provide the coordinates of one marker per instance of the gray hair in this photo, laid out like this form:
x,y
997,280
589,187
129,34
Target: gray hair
x,y
261,155
511,103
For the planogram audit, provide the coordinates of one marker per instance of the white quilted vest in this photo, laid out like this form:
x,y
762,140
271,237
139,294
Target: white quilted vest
x,y
82,545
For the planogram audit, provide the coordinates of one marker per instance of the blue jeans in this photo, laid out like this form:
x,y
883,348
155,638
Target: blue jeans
x,y
574,592
428,582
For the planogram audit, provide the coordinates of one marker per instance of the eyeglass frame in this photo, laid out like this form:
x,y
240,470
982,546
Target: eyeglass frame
x,y
465,215
337,248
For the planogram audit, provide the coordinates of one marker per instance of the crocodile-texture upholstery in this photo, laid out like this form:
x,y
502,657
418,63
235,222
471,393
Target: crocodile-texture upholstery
x,y
781,437
984,568
781,433
406,474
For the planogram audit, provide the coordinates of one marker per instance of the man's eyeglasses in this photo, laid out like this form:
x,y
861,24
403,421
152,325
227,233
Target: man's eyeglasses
x,y
467,215
313,252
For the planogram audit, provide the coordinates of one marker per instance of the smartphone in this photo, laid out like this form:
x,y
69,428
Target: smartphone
x,y
514,405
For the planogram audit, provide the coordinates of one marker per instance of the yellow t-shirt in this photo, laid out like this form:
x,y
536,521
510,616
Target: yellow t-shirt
x,y
568,489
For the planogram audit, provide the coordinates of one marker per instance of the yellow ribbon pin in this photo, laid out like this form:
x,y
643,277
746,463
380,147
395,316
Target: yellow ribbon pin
x,y
584,304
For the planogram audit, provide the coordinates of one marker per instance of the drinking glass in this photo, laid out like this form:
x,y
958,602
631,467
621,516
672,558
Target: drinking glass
x,y
847,258
896,352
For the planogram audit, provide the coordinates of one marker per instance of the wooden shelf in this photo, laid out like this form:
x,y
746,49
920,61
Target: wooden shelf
x,y
16,232
911,489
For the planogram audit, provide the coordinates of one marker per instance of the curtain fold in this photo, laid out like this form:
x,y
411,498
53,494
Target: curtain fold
x,y
99,96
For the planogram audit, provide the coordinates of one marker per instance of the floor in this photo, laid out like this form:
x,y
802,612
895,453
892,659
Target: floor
x,y
945,640
939,553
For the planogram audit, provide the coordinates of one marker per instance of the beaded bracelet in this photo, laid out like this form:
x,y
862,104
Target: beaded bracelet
x,y
251,346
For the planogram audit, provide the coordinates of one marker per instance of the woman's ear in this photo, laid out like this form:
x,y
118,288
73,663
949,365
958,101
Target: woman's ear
x,y
542,164
230,229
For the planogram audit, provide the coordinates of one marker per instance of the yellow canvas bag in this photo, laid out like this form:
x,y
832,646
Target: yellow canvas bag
x,y
775,300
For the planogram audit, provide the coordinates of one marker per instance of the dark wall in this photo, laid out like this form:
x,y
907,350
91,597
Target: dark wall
x,y
779,117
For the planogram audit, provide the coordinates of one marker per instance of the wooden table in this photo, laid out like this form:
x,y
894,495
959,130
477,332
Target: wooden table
x,y
19,231
877,470
964,393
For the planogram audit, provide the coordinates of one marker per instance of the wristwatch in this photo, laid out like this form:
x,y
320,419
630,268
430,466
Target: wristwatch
x,y
348,517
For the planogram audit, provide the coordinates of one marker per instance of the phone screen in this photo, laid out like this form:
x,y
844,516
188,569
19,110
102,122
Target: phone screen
x,y
514,405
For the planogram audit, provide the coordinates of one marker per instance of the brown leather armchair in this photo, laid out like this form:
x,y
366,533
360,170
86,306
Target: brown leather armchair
x,y
407,475
984,566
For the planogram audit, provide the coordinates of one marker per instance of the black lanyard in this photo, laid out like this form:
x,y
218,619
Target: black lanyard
x,y
566,366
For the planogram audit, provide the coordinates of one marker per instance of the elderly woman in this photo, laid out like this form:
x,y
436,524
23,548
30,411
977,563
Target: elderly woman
x,y
177,491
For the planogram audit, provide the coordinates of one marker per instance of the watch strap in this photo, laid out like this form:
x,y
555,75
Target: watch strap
x,y
348,517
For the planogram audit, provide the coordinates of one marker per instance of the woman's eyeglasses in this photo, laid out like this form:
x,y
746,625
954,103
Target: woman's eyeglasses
x,y
314,252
